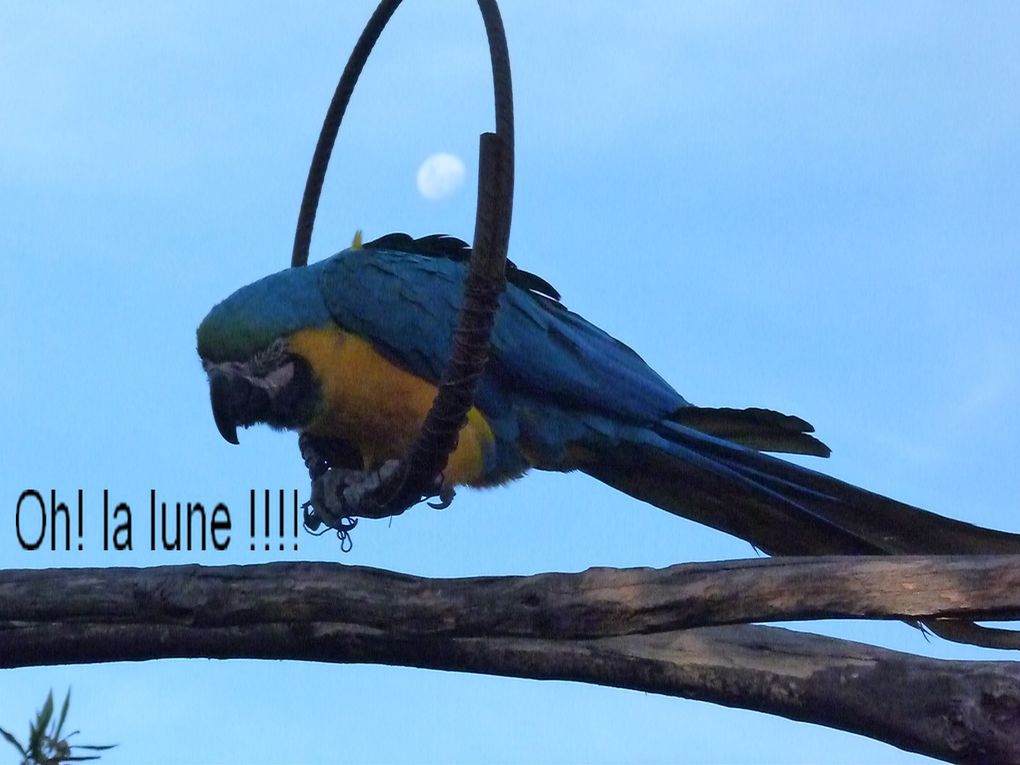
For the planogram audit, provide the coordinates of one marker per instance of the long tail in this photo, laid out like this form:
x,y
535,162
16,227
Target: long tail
x,y
777,506
786,509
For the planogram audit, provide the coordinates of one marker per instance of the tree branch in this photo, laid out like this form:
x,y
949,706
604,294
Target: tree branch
x,y
605,626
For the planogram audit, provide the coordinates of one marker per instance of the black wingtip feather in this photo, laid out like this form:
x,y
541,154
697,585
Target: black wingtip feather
x,y
452,248
761,429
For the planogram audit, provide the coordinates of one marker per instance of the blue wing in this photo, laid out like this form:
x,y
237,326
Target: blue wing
x,y
407,305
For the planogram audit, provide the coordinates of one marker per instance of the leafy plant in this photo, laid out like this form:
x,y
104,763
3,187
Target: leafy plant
x,y
46,745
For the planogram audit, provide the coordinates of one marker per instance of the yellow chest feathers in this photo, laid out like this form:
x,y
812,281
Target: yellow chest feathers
x,y
379,407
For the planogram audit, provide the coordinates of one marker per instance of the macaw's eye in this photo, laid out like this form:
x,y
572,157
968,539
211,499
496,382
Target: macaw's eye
x,y
270,359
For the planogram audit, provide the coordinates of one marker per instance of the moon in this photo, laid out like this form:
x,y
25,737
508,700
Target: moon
x,y
440,175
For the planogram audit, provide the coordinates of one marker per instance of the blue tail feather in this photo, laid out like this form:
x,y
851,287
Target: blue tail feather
x,y
779,507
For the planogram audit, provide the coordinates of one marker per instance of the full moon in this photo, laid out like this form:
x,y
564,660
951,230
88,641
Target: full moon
x,y
440,175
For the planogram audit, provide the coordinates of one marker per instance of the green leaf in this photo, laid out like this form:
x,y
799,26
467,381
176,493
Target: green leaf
x,y
35,743
37,732
63,714
94,748
14,742
46,714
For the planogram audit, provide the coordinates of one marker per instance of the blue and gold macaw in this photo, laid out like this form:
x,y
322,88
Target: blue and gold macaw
x,y
348,351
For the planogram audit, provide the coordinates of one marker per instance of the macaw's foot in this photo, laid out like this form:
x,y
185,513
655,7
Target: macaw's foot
x,y
342,462
340,496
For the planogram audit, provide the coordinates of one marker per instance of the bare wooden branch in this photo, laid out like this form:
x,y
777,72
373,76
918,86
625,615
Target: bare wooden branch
x,y
600,602
604,626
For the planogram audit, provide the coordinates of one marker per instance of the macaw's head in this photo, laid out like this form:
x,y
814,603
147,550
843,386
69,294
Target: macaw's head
x,y
243,343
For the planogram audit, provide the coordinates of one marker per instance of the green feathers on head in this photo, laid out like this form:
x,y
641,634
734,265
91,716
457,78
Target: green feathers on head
x,y
253,317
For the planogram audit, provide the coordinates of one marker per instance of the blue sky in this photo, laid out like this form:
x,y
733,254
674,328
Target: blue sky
x,y
804,206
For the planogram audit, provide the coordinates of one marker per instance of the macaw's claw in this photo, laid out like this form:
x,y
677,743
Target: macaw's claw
x,y
446,493
311,518
326,504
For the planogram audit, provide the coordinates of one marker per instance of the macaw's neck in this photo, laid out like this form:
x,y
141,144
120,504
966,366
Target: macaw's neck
x,y
379,407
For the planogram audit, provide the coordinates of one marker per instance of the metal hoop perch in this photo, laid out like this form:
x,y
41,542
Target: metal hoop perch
x,y
486,275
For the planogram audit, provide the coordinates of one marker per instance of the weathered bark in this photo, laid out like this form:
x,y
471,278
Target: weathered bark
x,y
599,602
612,627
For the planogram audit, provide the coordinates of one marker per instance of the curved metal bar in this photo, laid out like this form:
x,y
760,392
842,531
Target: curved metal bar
x,y
482,287
486,275
331,127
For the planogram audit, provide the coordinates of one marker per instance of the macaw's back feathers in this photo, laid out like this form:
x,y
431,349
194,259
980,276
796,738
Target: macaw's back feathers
x,y
407,305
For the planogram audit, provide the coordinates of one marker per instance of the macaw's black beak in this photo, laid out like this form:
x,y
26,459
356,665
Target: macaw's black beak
x,y
222,396
236,400
274,387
